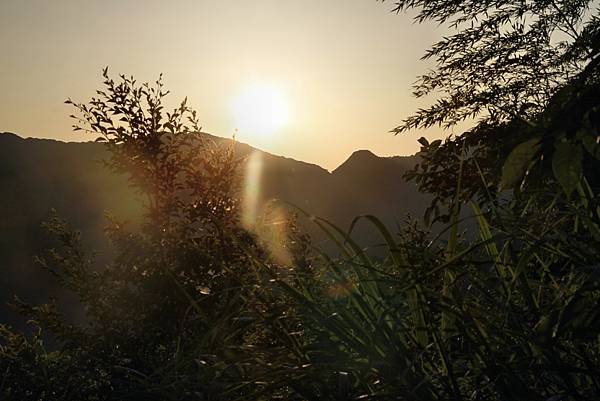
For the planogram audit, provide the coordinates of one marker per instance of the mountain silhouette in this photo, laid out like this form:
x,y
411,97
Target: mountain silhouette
x,y
38,175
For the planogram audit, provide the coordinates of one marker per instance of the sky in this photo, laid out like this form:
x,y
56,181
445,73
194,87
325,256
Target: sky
x,y
339,71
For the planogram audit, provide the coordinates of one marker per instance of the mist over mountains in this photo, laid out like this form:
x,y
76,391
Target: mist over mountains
x,y
37,175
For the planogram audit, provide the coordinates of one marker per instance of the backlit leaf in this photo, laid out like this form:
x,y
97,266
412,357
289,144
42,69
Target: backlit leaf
x,y
518,162
566,165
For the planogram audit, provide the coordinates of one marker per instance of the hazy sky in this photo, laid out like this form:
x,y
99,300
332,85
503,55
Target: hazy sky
x,y
343,67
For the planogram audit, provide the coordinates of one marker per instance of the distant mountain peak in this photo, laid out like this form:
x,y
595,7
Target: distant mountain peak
x,y
362,157
362,154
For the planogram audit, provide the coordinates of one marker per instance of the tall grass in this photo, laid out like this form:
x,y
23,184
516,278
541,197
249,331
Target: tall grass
x,y
511,315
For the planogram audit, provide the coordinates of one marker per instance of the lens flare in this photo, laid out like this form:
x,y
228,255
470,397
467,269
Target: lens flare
x,y
267,220
274,234
252,182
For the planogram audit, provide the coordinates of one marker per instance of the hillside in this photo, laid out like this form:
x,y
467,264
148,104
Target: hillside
x,y
37,175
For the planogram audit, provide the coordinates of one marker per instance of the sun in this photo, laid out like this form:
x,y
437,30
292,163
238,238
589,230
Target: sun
x,y
260,110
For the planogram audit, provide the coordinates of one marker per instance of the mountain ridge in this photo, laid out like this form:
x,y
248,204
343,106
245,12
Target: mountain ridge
x,y
38,175
357,154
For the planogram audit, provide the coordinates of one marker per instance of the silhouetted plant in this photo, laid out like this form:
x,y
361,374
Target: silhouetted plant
x,y
511,316
526,74
191,307
161,316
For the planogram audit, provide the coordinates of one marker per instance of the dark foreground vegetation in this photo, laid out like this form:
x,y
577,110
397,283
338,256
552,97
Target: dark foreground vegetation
x,y
39,175
198,304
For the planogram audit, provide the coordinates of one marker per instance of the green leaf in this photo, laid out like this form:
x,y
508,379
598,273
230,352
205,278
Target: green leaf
x,y
590,142
518,162
566,164
423,141
435,143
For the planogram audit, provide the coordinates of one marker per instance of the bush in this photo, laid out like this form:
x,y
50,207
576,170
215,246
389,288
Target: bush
x,y
164,316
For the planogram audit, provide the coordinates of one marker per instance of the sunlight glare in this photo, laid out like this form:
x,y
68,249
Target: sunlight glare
x,y
267,220
260,110
251,198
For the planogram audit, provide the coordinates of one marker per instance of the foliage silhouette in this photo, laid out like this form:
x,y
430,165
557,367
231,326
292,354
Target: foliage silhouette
x,y
192,307
176,286
519,71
